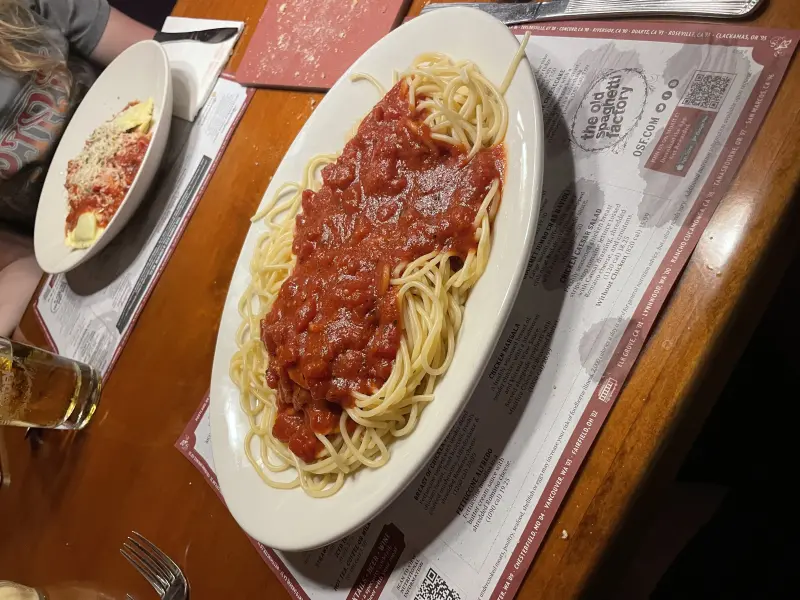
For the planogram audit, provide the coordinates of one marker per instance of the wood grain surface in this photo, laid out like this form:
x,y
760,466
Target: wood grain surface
x,y
75,497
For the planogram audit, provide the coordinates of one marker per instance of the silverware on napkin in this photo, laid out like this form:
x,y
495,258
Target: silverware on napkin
x,y
515,13
209,36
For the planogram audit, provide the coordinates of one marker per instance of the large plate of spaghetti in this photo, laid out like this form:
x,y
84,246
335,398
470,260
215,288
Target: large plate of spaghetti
x,y
376,277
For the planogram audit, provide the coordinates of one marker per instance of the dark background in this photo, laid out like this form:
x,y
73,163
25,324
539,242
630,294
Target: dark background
x,y
747,547
150,12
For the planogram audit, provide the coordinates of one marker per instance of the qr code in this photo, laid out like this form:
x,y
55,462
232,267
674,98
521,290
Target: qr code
x,y
435,588
708,90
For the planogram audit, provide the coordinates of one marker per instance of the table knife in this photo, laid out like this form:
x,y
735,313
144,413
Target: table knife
x,y
209,36
527,12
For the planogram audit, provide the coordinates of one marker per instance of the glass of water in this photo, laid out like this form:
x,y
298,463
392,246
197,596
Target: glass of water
x,y
41,389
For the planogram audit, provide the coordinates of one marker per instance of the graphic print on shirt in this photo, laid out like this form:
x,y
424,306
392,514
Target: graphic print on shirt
x,y
29,132
34,122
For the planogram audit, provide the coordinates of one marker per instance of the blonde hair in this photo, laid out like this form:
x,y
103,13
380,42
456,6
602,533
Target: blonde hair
x,y
25,47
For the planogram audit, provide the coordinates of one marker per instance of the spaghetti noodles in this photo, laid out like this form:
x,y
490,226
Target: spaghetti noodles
x,y
359,282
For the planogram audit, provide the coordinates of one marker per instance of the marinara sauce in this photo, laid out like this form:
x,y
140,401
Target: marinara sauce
x,y
108,192
394,194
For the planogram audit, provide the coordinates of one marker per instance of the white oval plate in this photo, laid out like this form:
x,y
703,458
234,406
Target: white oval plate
x,y
289,519
139,73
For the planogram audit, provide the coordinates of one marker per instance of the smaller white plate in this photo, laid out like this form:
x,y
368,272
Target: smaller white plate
x,y
139,73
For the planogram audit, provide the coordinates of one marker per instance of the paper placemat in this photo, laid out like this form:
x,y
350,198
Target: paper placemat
x,y
88,313
646,125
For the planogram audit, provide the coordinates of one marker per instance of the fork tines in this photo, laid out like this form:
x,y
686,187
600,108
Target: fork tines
x,y
155,566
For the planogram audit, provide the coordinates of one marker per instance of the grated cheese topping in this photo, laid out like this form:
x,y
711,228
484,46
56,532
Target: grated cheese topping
x,y
86,168
99,177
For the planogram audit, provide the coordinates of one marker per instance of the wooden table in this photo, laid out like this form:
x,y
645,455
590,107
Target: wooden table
x,y
74,500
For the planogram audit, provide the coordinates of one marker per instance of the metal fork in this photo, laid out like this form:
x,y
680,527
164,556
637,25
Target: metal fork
x,y
156,567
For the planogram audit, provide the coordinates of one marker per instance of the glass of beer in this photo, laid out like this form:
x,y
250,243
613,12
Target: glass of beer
x,y
41,389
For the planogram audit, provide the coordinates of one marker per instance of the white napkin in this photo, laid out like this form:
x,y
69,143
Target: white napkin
x,y
195,66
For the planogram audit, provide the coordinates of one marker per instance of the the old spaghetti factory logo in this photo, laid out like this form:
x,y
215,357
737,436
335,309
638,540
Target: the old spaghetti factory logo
x,y
610,110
